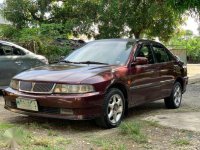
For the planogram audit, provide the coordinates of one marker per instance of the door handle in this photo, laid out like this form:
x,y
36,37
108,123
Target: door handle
x,y
19,62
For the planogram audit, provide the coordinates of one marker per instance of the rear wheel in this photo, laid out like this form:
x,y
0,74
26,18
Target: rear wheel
x,y
174,100
113,109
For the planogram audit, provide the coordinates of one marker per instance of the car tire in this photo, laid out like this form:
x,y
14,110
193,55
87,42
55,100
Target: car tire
x,y
113,109
174,100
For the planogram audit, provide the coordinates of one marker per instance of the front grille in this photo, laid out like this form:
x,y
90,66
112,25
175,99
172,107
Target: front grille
x,y
25,86
43,87
36,87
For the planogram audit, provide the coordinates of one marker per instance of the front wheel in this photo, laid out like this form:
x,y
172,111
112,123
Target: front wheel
x,y
174,100
113,109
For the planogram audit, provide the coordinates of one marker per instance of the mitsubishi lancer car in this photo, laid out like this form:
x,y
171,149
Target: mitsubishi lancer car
x,y
100,81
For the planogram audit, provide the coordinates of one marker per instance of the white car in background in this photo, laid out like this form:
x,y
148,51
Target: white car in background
x,y
15,59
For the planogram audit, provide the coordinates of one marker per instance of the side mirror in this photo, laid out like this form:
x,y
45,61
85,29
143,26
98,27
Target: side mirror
x,y
140,61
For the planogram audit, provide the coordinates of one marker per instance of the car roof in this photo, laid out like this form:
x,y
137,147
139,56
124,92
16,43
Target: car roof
x,y
8,43
15,45
130,40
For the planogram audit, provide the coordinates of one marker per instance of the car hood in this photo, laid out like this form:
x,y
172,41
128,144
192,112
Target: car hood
x,y
68,73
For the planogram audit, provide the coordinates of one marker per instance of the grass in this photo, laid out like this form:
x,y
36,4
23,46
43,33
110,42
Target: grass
x,y
107,144
4,126
133,130
152,123
14,137
51,142
21,137
35,125
43,142
52,133
103,143
64,141
181,142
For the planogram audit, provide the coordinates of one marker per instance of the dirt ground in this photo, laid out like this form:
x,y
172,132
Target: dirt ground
x,y
86,135
193,69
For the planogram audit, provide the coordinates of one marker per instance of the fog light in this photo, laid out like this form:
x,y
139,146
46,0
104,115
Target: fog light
x,y
66,111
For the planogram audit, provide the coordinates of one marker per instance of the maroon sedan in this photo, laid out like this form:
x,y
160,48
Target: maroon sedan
x,y
100,80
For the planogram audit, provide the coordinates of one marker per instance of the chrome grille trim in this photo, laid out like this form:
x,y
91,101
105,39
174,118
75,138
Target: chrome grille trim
x,y
36,87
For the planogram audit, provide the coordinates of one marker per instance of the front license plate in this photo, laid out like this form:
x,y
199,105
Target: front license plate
x,y
27,104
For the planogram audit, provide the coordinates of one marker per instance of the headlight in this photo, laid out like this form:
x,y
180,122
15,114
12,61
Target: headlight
x,y
73,89
14,84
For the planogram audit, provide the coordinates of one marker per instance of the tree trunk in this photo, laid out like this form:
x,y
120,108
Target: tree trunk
x,y
137,35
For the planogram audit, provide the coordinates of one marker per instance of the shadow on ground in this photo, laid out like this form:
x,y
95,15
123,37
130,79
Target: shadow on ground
x,y
85,125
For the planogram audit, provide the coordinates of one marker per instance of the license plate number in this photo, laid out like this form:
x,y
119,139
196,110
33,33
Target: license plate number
x,y
27,104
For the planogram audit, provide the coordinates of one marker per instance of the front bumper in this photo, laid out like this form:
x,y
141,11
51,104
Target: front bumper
x,y
80,106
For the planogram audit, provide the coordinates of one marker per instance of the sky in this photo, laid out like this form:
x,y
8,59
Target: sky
x,y
191,24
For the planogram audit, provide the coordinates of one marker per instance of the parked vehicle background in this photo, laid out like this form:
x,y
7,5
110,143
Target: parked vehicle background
x,y
15,59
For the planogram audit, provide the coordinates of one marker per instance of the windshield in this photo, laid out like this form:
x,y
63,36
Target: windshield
x,y
108,52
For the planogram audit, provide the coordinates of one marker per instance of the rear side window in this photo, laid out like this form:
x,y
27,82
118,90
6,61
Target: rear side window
x,y
17,51
6,50
161,54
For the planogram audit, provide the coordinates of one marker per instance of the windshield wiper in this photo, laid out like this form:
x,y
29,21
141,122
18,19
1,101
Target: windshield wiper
x,y
91,62
67,61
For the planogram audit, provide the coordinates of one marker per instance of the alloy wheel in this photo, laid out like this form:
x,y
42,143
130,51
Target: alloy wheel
x,y
115,108
177,95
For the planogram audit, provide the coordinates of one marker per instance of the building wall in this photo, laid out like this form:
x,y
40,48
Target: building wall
x,y
181,53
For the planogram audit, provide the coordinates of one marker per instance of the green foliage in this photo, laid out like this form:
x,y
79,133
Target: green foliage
x,y
40,22
108,144
113,18
182,6
191,44
23,13
136,18
4,126
7,31
181,142
43,38
13,137
133,130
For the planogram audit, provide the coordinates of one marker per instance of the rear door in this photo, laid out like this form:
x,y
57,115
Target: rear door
x,y
144,86
165,63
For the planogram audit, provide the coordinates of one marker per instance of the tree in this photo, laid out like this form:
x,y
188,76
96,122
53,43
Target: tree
x,y
185,5
135,18
22,13
112,18
192,45
75,17
78,15
189,33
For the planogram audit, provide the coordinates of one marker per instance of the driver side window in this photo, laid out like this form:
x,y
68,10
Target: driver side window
x,y
145,51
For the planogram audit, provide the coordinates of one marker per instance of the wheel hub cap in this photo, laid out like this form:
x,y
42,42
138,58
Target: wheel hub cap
x,y
177,95
115,108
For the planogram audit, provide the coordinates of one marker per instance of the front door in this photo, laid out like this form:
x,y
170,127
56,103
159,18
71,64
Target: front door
x,y
144,86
